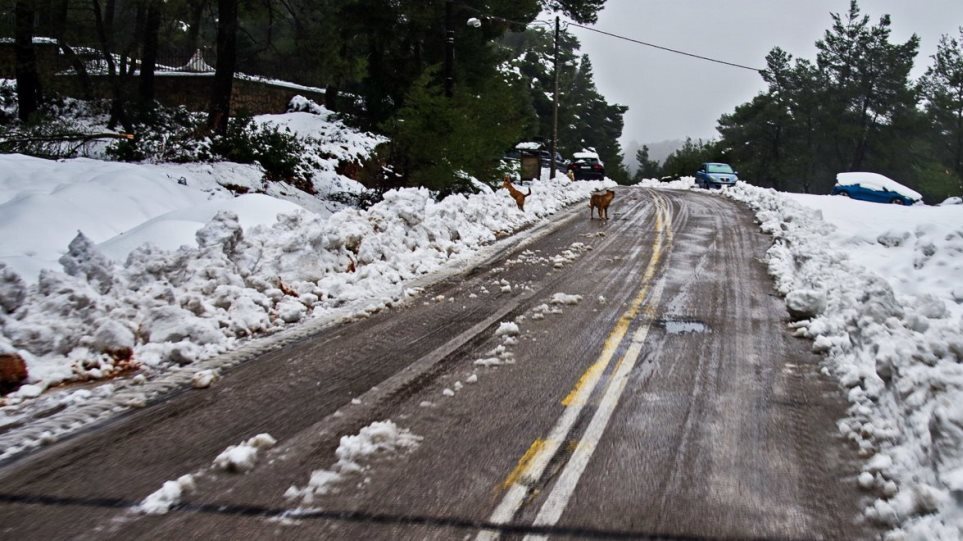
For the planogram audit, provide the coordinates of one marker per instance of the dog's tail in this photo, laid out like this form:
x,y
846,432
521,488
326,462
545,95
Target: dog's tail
x,y
529,191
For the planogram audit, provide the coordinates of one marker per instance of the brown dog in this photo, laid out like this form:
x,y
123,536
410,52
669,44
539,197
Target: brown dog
x,y
601,202
518,196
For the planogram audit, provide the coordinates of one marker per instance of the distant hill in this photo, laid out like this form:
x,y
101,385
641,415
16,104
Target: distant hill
x,y
657,151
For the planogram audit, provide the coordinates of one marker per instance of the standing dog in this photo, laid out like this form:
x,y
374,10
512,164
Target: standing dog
x,y
518,196
601,202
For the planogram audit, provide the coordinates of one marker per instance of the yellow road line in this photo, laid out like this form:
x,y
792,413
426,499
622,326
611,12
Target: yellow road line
x,y
516,474
533,463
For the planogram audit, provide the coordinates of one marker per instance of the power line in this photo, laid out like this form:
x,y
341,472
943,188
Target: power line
x,y
676,51
610,34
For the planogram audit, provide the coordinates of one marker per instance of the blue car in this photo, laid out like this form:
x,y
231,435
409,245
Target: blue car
x,y
716,175
874,187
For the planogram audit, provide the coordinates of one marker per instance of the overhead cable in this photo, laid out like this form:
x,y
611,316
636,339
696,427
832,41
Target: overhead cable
x,y
610,34
676,51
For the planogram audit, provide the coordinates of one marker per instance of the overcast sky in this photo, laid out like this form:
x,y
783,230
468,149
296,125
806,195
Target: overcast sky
x,y
671,96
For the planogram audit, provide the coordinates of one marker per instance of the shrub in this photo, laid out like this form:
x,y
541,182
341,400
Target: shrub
x,y
163,134
280,153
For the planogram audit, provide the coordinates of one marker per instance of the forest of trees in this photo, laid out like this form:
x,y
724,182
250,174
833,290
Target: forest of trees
x,y
381,63
854,109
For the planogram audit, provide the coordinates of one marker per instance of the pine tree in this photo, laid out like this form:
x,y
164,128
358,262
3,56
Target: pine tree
x,y
648,168
869,82
942,87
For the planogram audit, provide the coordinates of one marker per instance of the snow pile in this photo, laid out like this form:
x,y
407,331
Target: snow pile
x,y
353,452
684,183
565,298
203,379
121,206
496,357
507,328
242,457
175,307
169,495
877,290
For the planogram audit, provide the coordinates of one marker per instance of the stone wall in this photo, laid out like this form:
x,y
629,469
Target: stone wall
x,y
193,92
48,60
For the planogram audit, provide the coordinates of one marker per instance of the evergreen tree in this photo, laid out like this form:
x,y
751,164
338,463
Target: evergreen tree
x,y
585,118
868,83
942,88
854,109
435,139
647,168
687,159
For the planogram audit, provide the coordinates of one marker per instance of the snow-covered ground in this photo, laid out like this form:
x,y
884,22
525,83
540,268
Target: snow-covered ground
x,y
170,269
160,275
879,290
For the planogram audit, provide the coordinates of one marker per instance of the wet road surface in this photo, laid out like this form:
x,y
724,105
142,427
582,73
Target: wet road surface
x,y
668,401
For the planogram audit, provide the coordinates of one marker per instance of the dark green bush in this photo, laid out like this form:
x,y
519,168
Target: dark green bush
x,y
163,134
280,153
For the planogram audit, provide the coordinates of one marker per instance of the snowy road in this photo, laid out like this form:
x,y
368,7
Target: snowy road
x,y
648,386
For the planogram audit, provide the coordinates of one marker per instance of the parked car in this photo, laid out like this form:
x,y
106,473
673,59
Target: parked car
x,y
586,165
545,158
874,187
512,155
715,175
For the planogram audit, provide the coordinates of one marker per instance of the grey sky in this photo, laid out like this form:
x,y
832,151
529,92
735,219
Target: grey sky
x,y
672,96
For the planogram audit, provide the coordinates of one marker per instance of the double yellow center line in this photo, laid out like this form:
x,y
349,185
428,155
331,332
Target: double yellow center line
x,y
533,463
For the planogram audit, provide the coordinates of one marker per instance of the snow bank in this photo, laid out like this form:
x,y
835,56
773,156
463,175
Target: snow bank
x,y
353,452
877,288
44,203
175,307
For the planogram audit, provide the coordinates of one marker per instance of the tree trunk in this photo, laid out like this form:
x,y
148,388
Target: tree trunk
x,y
104,21
220,107
58,19
194,28
149,55
959,144
331,97
28,80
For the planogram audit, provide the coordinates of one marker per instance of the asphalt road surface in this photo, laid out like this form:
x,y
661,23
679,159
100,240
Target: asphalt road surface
x,y
668,401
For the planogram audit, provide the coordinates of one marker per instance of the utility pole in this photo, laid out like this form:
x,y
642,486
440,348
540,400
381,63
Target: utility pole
x,y
449,50
555,107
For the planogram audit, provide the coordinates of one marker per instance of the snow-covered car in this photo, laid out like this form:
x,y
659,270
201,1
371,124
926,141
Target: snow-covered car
x,y
586,165
716,175
874,187
952,201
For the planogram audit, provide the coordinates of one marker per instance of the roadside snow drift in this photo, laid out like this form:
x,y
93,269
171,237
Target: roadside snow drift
x,y
163,308
878,289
